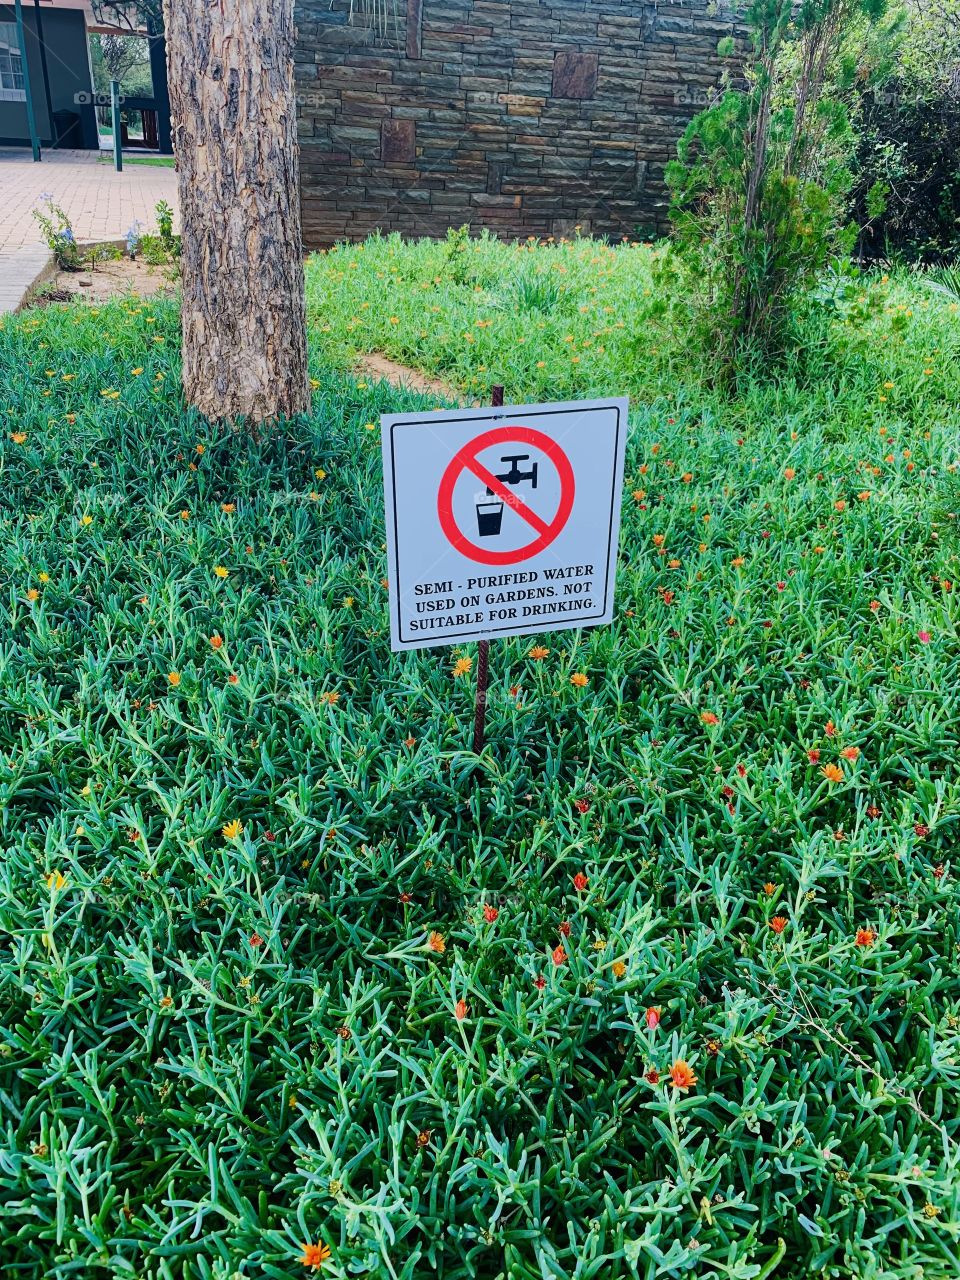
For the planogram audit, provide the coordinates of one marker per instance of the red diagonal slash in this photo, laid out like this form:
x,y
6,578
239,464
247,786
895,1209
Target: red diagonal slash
x,y
506,495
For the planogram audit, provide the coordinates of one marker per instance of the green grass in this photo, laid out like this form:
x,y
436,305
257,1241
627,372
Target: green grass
x,y
217,1048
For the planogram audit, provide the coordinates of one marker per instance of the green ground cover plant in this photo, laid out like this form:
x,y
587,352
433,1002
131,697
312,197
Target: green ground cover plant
x,y
666,986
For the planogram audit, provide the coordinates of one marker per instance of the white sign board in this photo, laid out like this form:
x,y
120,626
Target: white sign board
x,y
502,521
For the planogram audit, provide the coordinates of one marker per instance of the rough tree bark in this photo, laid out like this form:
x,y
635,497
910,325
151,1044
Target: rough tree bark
x,y
230,66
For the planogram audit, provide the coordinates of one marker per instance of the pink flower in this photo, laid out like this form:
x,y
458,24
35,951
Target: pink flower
x,y
653,1018
923,637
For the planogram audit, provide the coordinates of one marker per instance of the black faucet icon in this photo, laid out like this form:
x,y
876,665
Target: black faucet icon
x,y
515,475
490,513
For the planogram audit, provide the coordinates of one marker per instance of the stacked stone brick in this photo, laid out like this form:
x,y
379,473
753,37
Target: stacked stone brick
x,y
526,117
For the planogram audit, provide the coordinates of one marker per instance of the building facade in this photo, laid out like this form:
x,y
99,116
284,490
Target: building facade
x,y
528,117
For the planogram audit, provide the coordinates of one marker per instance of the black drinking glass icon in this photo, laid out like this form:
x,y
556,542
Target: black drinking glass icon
x,y
489,508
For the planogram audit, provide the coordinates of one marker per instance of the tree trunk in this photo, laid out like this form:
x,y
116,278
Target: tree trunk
x,y
230,71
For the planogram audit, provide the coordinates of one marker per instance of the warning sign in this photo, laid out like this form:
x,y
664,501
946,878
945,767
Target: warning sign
x,y
502,521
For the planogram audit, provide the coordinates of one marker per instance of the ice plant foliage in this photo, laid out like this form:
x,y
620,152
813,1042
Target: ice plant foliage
x,y
220,896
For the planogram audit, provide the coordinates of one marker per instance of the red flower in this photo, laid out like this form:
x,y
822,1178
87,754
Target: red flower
x,y
781,586
728,792
830,729
539,982
581,806
580,882
558,956
269,837
256,940
865,937
490,913
742,770
652,1076
564,929
681,1073
814,756
406,897
778,924
653,1018
921,830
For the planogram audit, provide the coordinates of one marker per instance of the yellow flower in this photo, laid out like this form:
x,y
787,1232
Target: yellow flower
x,y
18,437
314,383
348,602
44,577
370,426
230,830
462,666
174,678
320,473
55,880
220,571
135,373
86,520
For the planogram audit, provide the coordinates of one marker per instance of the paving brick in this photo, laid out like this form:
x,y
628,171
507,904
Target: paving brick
x,y
101,204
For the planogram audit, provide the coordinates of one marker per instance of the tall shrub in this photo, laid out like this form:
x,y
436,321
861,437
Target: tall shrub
x,y
759,182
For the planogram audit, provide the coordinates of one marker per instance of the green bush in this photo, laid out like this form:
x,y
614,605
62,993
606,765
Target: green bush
x,y
761,176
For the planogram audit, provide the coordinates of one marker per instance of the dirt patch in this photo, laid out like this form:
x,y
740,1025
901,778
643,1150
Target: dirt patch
x,y
122,276
399,375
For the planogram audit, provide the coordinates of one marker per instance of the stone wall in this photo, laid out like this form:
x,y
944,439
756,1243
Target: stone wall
x,y
526,117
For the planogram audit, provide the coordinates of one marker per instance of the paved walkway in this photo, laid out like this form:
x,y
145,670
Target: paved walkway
x,y
101,204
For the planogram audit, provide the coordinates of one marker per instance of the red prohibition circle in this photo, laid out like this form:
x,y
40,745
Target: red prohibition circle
x,y
466,459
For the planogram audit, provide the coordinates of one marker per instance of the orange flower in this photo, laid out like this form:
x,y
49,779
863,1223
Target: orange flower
x,y
618,968
315,1255
788,473
708,717
460,1010
832,772
462,667
778,924
659,539
436,942
228,507
865,938
174,678
578,679
216,641
538,653
558,956
769,889
850,753
681,1073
